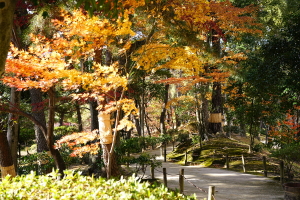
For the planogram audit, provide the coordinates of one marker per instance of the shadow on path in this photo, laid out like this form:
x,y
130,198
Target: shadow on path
x,y
229,185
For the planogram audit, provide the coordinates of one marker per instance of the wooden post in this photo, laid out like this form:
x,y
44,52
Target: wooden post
x,y
265,166
185,158
211,193
128,155
243,161
165,152
227,161
165,176
173,145
181,181
281,172
152,172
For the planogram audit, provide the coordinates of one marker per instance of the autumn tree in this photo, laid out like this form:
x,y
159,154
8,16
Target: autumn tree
x,y
7,9
191,39
48,57
266,81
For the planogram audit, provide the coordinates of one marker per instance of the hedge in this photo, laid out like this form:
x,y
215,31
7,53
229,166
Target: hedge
x,y
75,186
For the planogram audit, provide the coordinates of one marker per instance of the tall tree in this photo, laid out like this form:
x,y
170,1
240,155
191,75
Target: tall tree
x,y
6,161
13,126
7,9
39,114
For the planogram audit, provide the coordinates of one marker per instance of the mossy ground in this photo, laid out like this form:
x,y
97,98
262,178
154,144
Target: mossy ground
x,y
214,152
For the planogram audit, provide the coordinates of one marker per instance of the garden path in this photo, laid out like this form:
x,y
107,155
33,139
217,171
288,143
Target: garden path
x,y
229,185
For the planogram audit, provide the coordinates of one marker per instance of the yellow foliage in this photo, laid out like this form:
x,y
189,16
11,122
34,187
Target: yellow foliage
x,y
153,57
180,101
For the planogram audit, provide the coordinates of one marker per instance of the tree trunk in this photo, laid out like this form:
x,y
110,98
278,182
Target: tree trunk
x,y
61,118
13,127
59,162
7,8
137,126
147,127
94,115
205,115
79,119
216,107
142,109
6,161
106,139
110,161
39,114
137,120
163,113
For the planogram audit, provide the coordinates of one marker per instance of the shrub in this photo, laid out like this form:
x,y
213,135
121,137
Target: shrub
x,y
195,139
61,131
66,151
165,138
152,141
76,186
144,160
232,129
183,137
132,145
289,153
39,162
258,147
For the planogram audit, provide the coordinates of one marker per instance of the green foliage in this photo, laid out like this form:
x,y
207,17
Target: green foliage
x,y
143,161
64,130
26,134
289,154
232,129
258,147
40,163
165,138
195,139
65,152
76,186
183,137
152,141
135,144
131,145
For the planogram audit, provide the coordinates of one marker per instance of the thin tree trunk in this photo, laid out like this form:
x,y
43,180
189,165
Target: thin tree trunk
x,y
205,116
61,118
163,113
79,119
13,126
142,110
6,161
199,120
137,120
94,115
39,114
59,162
147,126
137,126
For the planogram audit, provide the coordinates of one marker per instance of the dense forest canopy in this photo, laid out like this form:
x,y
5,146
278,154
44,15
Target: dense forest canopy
x,y
114,70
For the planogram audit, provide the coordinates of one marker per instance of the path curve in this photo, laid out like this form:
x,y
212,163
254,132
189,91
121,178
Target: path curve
x,y
229,185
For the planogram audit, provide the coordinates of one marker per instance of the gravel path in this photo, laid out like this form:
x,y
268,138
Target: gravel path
x,y
229,185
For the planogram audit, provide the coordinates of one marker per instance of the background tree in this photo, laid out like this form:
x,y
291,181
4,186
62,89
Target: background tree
x,y
7,9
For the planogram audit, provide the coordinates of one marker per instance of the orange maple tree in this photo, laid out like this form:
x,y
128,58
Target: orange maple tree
x,y
286,131
44,65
